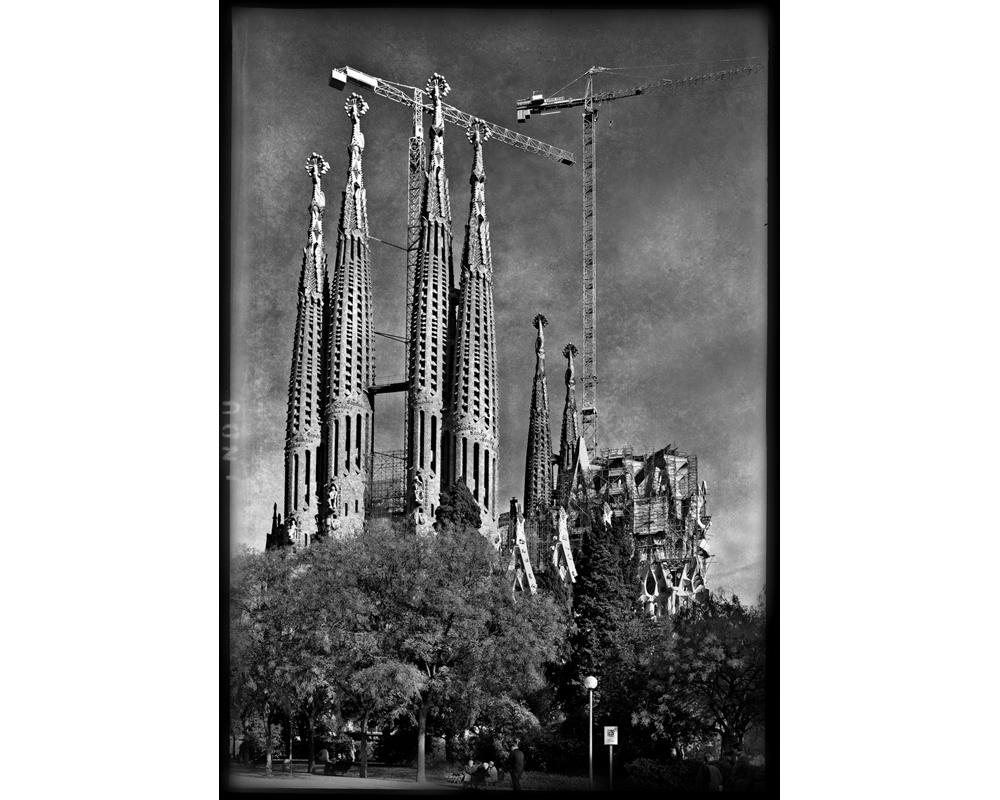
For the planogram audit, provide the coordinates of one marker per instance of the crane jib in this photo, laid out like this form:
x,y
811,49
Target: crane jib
x,y
339,78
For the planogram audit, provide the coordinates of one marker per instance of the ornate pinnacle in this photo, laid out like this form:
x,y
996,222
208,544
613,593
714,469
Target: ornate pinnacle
x,y
437,88
316,166
356,106
569,351
540,322
478,133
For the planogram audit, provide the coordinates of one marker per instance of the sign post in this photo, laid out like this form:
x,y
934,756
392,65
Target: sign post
x,y
611,739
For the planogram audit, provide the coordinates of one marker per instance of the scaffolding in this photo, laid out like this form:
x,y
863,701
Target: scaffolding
x,y
387,495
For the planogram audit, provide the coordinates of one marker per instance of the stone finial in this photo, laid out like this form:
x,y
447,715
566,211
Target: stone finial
x,y
356,106
316,166
540,322
570,352
478,132
437,86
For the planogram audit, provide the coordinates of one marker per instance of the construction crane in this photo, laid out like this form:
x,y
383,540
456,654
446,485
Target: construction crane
x,y
537,104
418,100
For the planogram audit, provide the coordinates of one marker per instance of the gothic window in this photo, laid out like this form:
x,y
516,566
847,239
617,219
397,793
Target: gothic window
x,y
475,470
347,443
308,474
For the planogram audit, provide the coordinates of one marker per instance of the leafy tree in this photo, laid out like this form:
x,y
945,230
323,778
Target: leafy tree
x,y
382,691
603,603
440,606
714,681
260,633
458,508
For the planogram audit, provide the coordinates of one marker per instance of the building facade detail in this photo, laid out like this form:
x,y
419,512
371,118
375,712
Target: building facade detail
x,y
471,442
519,565
350,351
538,458
427,355
303,431
570,435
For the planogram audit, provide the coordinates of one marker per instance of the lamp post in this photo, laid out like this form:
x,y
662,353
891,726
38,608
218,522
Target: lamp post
x,y
591,683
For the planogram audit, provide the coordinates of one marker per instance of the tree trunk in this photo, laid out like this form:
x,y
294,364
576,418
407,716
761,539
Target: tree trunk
x,y
267,747
363,772
449,747
425,707
312,746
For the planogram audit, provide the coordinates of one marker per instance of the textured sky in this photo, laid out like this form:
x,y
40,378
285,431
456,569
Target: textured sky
x,y
681,241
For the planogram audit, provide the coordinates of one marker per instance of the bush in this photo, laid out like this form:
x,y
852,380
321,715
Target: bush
x,y
676,774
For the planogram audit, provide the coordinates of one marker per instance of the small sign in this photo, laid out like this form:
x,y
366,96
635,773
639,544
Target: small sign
x,y
611,735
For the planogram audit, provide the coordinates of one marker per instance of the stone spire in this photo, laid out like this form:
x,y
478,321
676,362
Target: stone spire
x,y
538,460
429,331
350,352
570,430
473,409
303,429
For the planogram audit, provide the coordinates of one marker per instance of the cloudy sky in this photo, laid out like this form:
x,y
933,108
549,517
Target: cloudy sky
x,y
681,240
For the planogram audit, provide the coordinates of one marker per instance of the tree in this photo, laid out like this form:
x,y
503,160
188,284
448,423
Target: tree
x,y
260,632
439,605
714,682
379,692
603,603
458,508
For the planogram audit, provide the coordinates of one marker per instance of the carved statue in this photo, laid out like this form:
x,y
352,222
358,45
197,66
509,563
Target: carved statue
x,y
606,515
420,516
293,530
333,498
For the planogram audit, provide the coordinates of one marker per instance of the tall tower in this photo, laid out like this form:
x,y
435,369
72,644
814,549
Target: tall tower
x,y
350,356
427,352
303,429
472,430
538,462
570,430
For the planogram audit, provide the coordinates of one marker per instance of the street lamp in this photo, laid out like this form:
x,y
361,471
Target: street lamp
x,y
591,683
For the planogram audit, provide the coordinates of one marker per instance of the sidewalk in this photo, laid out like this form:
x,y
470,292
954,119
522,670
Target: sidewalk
x,y
283,782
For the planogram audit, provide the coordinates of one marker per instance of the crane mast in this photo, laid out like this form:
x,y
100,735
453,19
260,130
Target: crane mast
x,y
538,104
588,412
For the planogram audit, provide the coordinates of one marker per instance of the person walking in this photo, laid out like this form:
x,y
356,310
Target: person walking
x,y
515,765
709,778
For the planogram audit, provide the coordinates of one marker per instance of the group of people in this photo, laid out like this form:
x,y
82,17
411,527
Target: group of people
x,y
477,776
736,767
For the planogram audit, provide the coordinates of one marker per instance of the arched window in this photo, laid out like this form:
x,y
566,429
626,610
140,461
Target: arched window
x,y
421,438
475,470
486,479
308,473
434,434
347,443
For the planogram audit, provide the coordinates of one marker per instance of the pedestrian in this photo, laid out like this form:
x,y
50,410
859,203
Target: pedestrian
x,y
470,770
709,777
515,765
740,777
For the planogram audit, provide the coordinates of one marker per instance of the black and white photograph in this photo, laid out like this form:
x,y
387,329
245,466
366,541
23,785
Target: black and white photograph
x,y
499,311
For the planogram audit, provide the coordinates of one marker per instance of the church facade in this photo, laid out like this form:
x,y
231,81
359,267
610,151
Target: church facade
x,y
451,430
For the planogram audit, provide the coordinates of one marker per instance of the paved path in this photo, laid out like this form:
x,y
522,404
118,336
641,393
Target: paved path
x,y
278,782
